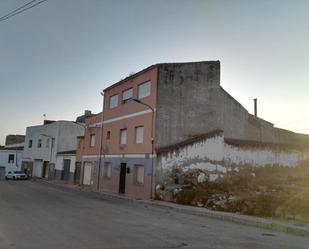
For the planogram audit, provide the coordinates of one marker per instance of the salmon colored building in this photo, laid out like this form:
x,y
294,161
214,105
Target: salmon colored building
x,y
88,148
122,160
140,117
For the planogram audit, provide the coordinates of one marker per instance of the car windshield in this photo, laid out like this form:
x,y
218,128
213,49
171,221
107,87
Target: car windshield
x,y
18,172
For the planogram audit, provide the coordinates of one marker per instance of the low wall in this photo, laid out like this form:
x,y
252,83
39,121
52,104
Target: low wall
x,y
214,156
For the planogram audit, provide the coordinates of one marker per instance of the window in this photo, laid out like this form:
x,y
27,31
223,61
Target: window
x,y
107,170
47,142
127,95
40,143
53,142
144,90
139,134
30,143
123,136
113,101
80,144
92,140
108,135
11,158
139,174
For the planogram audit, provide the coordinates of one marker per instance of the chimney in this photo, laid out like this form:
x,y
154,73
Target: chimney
x,y
87,113
255,107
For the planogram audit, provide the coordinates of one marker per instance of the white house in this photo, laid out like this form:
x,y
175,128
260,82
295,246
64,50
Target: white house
x,y
11,158
44,142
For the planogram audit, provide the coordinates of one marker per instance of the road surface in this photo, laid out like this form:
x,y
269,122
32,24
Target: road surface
x,y
36,215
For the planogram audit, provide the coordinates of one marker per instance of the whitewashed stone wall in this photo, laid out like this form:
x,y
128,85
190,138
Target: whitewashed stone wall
x,y
215,156
260,156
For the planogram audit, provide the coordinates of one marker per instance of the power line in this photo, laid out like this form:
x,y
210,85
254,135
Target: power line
x,y
296,121
21,7
20,10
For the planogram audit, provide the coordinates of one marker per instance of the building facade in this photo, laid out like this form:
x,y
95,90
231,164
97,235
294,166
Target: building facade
x,y
44,142
11,158
157,109
88,148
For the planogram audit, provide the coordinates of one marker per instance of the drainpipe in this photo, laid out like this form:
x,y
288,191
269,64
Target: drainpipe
x,y
101,144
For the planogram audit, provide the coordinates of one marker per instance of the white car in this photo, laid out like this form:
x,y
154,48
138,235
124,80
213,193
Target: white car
x,y
16,175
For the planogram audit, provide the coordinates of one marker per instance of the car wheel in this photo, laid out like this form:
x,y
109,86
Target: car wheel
x,y
6,178
14,178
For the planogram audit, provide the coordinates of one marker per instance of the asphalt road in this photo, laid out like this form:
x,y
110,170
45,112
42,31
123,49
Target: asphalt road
x,y
37,215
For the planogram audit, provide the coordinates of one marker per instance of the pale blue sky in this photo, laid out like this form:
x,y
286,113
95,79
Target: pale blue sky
x,y
56,57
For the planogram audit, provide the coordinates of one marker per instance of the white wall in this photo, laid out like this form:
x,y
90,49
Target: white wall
x,y
59,163
4,156
68,131
204,154
214,155
260,156
35,133
64,132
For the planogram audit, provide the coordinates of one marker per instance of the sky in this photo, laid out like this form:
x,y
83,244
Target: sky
x,y
56,57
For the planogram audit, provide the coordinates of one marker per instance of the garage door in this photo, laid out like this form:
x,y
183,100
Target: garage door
x,y
37,172
87,173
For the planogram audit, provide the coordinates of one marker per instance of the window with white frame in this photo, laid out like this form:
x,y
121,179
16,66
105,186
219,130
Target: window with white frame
x,y
144,90
123,136
139,174
92,140
113,101
127,95
139,134
47,142
107,172
30,143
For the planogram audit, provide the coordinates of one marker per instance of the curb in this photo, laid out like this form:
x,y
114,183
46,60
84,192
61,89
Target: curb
x,y
242,219
224,216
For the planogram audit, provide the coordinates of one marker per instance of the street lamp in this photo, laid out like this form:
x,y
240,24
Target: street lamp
x,y
101,144
152,141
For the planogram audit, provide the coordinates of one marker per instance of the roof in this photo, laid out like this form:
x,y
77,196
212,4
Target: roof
x,y
10,149
53,123
130,77
69,152
257,144
15,146
151,67
234,142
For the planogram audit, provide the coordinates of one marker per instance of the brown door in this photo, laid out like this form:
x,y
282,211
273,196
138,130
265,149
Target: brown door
x,y
122,178
45,169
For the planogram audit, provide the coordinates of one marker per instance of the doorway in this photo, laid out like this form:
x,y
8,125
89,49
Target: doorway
x,y
122,178
66,169
45,169
37,172
87,173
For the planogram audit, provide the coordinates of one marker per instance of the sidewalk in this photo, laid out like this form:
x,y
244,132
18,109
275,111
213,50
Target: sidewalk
x,y
291,227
